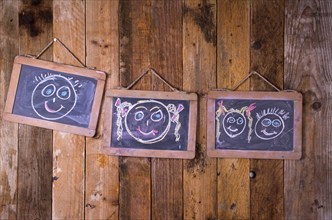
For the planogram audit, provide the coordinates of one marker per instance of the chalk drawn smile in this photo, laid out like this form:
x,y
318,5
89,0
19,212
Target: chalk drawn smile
x,y
270,123
153,132
232,130
55,89
234,123
51,110
147,121
268,133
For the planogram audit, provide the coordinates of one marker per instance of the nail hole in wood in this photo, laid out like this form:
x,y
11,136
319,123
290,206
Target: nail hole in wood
x,y
252,174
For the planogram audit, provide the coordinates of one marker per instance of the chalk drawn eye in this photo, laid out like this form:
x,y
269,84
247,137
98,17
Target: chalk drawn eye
x,y
239,121
139,116
276,123
63,93
48,90
157,116
231,120
266,122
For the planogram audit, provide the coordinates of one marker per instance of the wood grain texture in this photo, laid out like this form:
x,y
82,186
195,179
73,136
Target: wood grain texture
x,y
233,56
68,149
35,144
199,75
267,28
102,46
135,188
9,48
143,34
34,173
166,58
135,173
308,49
135,20
166,179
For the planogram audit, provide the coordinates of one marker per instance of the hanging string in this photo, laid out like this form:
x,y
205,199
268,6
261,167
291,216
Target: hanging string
x,y
63,45
157,75
251,73
45,48
258,74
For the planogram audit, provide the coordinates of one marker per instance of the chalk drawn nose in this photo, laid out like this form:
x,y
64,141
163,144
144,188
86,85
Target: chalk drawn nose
x,y
147,122
53,99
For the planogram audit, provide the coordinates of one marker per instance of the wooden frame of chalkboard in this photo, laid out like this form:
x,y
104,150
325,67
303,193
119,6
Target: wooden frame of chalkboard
x,y
52,95
150,123
244,124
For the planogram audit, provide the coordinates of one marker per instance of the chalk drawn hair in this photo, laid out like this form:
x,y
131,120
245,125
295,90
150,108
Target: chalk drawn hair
x,y
276,111
244,111
122,109
50,76
121,112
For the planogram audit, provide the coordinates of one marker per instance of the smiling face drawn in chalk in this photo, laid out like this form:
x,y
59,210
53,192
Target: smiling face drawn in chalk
x,y
148,123
269,126
270,123
234,123
54,97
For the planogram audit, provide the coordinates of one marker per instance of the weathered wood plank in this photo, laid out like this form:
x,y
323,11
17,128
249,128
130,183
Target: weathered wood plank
x,y
34,176
135,183
267,28
134,30
102,174
166,177
199,75
166,58
233,18
35,144
135,194
68,149
9,48
308,50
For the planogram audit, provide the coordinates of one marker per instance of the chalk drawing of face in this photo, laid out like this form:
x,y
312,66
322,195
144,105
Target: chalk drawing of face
x,y
234,123
54,97
148,121
269,125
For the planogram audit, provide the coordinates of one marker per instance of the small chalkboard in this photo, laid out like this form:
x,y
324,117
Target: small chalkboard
x,y
54,96
255,124
150,124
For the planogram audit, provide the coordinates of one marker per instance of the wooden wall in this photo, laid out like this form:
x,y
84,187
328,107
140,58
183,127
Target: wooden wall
x,y
196,45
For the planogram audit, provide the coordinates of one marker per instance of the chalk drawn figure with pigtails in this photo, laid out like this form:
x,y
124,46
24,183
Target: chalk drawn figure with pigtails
x,y
150,123
234,122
